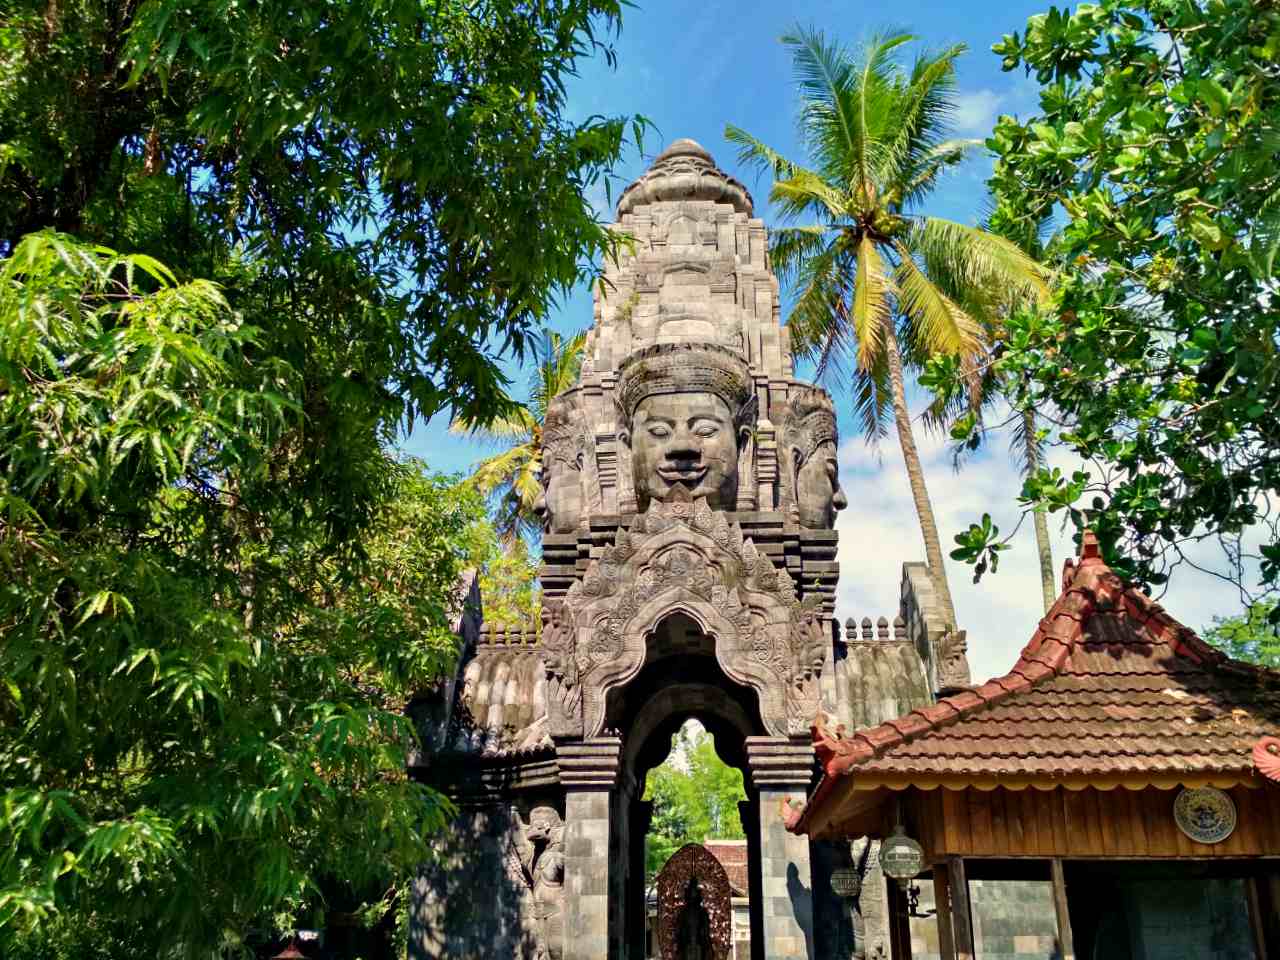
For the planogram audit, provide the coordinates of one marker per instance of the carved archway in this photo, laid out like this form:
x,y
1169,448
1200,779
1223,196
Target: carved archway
x,y
683,557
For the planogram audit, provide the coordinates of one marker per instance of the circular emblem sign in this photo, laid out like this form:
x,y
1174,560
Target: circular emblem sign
x,y
846,882
1206,815
901,858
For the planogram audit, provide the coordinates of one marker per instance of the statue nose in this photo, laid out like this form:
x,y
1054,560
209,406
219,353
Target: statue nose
x,y
682,447
839,501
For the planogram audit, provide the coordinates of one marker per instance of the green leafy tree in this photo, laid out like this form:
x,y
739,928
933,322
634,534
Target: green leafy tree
x,y
218,589
204,671
509,585
382,165
695,797
880,285
1251,636
1159,365
512,478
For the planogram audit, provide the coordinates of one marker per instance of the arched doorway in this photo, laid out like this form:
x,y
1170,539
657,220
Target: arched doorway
x,y
680,680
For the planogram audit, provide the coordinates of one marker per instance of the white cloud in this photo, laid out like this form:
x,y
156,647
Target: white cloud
x,y
879,532
976,112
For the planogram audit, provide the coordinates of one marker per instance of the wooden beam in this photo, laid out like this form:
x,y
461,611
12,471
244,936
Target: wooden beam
x,y
961,919
942,900
1066,943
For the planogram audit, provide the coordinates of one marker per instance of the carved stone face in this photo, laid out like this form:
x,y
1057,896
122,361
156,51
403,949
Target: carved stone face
x,y
543,822
560,504
687,439
817,485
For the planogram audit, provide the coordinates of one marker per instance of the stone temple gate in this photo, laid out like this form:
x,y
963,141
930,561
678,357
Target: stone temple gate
x,y
691,489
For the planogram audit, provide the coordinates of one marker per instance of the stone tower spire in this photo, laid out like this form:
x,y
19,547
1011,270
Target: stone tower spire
x,y
692,293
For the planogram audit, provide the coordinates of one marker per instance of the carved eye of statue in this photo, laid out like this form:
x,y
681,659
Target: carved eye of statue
x,y
706,429
658,430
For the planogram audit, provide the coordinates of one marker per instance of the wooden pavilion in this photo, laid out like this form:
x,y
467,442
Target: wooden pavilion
x,y
1086,769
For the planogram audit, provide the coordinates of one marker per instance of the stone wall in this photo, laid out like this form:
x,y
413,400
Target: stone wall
x,y
467,905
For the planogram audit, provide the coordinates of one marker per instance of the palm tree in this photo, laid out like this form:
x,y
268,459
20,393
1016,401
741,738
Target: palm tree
x,y
976,395
878,282
512,478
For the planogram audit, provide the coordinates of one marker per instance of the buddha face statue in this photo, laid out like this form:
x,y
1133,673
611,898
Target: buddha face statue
x,y
560,504
686,412
815,474
690,439
817,485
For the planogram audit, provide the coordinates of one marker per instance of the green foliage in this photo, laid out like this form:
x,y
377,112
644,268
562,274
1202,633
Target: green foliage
x,y
212,619
509,585
1158,135
870,266
1251,636
695,799
980,545
402,175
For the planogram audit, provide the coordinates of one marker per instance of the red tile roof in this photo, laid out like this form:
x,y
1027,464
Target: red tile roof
x,y
732,855
1110,686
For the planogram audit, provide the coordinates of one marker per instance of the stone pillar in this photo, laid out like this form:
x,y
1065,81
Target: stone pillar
x,y
782,768
637,907
588,771
749,814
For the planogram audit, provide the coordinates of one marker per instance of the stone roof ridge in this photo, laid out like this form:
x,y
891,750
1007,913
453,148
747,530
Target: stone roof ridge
x,y
1089,586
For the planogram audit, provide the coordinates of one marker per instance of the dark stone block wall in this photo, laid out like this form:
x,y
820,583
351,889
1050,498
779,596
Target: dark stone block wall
x,y
467,904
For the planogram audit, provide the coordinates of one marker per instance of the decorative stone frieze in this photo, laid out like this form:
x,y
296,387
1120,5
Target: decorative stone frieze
x,y
683,556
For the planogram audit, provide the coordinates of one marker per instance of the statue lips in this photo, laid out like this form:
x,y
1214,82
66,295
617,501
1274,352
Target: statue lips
x,y
689,476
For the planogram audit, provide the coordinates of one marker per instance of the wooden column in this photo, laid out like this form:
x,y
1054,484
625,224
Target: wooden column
x,y
899,922
961,919
942,901
1066,943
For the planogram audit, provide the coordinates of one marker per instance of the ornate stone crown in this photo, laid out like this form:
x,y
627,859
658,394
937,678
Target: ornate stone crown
x,y
667,368
811,419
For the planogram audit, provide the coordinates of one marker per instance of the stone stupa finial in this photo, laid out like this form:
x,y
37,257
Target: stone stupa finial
x,y
685,171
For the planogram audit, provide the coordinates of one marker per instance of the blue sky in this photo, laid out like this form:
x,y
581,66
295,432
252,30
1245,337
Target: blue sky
x,y
692,68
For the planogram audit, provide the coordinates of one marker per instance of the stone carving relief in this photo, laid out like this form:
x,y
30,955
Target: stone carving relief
x,y
537,864
812,444
686,413
682,555
564,450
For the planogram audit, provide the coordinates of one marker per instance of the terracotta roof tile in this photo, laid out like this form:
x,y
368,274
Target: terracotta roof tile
x,y
1109,685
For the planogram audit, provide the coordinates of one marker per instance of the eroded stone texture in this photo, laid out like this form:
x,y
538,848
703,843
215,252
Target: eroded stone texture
x,y
691,487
